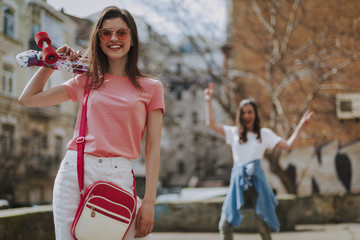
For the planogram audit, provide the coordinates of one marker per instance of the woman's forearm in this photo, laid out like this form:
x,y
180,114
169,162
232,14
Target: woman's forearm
x,y
152,176
209,113
291,142
152,155
35,86
210,118
299,128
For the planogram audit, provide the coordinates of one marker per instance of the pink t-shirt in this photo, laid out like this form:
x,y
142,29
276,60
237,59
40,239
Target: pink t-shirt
x,y
116,114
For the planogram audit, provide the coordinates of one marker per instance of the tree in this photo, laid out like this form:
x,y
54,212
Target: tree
x,y
189,21
293,55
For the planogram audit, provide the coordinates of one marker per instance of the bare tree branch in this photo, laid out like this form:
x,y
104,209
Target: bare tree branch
x,y
325,77
290,26
261,18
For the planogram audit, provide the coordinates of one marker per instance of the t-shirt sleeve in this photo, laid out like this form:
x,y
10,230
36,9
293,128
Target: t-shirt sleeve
x,y
74,87
270,137
229,133
157,98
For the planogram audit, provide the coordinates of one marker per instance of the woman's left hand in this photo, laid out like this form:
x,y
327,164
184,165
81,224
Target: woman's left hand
x,y
145,219
305,120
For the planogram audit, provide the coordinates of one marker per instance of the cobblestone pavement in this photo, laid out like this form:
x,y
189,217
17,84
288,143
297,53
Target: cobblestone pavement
x,y
350,231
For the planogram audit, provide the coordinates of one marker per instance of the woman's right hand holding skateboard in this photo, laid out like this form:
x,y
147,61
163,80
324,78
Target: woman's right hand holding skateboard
x,y
66,51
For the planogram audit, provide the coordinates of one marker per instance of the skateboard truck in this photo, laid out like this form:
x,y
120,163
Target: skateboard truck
x,y
49,58
49,53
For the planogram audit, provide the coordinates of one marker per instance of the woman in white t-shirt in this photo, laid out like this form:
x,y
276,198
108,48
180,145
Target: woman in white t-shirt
x,y
248,142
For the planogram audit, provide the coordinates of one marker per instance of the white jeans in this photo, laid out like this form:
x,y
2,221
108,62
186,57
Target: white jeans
x,y
66,196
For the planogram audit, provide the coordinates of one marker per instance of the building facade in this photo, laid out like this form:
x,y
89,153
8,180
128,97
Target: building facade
x,y
33,140
192,154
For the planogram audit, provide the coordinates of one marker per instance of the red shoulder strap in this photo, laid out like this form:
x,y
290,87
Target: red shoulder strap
x,y
81,139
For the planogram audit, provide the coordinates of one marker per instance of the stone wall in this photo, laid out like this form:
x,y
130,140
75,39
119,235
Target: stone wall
x,y
204,216
328,209
27,223
37,223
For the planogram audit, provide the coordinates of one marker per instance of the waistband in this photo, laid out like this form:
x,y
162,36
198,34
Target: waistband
x,y
117,162
238,165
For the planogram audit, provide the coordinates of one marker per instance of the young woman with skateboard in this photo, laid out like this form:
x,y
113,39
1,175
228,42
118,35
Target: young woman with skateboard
x,y
122,103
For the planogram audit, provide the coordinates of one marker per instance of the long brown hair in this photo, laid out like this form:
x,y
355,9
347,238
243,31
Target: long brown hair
x,y
98,61
239,122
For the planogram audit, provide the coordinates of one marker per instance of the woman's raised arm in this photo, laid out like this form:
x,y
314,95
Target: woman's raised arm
x,y
290,143
34,95
209,112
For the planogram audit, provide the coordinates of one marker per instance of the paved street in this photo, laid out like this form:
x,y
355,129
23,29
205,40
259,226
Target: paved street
x,y
349,231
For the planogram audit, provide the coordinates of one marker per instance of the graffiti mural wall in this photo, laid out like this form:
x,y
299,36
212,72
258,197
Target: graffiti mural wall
x,y
328,169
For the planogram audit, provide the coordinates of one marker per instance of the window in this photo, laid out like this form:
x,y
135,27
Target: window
x,y
8,21
187,48
180,116
58,148
181,146
194,117
44,141
56,34
213,140
194,93
181,167
7,140
35,29
178,94
35,140
8,79
196,138
346,106
178,69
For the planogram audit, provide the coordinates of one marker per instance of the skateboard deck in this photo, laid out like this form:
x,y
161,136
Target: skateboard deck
x,y
31,58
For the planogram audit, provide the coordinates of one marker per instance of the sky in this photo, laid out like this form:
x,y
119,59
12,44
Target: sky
x,y
84,8
209,12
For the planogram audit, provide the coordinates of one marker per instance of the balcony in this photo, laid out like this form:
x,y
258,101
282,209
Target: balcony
x,y
49,112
